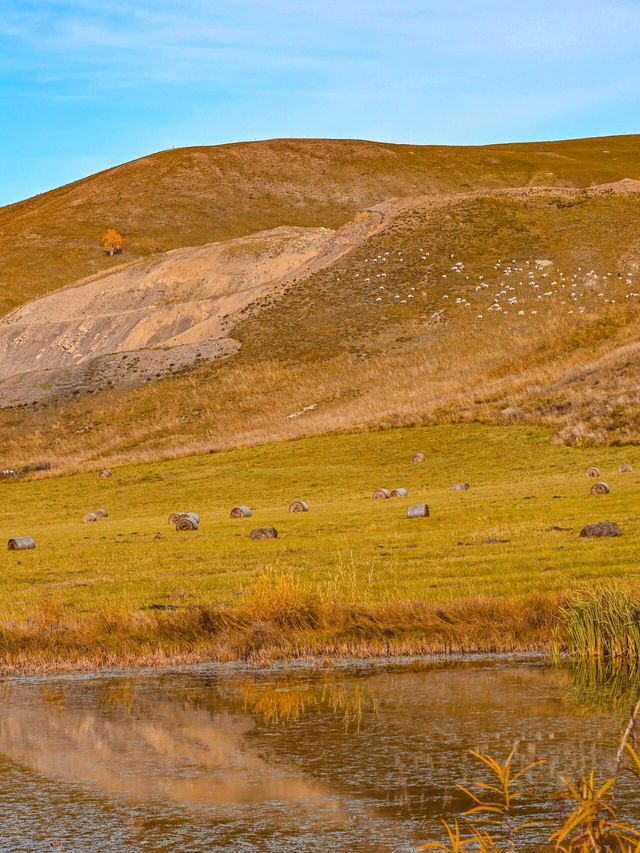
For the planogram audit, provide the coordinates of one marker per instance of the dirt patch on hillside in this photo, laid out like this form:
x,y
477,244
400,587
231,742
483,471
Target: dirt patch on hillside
x,y
175,312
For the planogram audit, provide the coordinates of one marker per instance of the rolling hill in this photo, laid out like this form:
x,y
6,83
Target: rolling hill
x,y
272,290
188,197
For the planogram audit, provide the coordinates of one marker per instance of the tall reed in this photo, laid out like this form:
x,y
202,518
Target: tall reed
x,y
603,622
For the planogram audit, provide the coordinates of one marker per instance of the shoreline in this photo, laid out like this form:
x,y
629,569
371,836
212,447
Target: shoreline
x,y
317,664
290,625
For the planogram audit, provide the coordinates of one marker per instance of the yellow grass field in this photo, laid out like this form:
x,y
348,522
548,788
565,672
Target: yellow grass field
x,y
89,589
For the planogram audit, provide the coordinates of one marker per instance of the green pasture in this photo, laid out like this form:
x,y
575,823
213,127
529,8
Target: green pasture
x,y
523,487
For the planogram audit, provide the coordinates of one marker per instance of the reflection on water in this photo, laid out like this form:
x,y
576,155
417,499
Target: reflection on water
x,y
610,684
363,759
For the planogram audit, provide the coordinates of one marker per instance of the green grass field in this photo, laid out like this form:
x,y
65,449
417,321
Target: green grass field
x,y
347,547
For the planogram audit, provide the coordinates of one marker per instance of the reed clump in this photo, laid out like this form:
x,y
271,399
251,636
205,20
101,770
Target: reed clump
x,y
602,622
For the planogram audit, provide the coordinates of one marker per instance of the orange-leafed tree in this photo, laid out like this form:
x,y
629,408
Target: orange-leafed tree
x,y
112,242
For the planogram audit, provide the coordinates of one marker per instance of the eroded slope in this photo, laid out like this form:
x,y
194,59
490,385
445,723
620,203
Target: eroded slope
x,y
195,196
511,303
149,319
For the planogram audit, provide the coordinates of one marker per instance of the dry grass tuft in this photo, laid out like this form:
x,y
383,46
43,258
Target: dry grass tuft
x,y
581,435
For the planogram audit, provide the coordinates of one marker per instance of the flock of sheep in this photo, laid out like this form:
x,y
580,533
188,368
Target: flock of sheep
x,y
519,288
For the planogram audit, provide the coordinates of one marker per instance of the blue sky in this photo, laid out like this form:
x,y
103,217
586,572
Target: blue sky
x,y
86,85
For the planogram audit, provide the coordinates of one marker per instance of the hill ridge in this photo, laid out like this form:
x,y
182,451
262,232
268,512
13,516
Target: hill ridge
x,y
202,194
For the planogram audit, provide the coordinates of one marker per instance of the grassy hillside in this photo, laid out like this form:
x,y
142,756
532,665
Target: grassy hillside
x,y
442,315
337,352
497,285
360,570
192,196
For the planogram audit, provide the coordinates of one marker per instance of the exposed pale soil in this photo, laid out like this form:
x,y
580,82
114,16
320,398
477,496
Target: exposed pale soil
x,y
153,318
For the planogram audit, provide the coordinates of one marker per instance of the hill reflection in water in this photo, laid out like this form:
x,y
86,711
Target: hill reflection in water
x,y
364,759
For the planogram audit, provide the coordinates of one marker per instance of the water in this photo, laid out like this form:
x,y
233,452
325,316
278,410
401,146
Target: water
x,y
362,758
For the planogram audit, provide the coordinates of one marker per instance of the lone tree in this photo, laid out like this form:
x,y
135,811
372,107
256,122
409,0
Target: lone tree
x,y
112,242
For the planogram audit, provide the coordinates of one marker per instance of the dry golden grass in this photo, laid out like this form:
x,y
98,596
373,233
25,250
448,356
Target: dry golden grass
x,y
362,364
294,625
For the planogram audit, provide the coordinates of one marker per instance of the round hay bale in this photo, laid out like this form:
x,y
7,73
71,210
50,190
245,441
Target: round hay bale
x,y
264,533
188,521
299,506
625,469
592,472
418,458
399,493
88,517
176,516
102,513
601,528
240,512
381,494
418,511
460,487
600,489
105,473
22,543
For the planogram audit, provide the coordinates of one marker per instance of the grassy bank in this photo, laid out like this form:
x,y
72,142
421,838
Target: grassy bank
x,y
491,568
262,628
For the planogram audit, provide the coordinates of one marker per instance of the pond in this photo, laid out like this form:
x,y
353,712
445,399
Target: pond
x,y
358,757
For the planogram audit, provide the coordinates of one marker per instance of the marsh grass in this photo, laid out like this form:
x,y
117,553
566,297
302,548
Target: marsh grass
x,y
276,618
603,622
594,822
